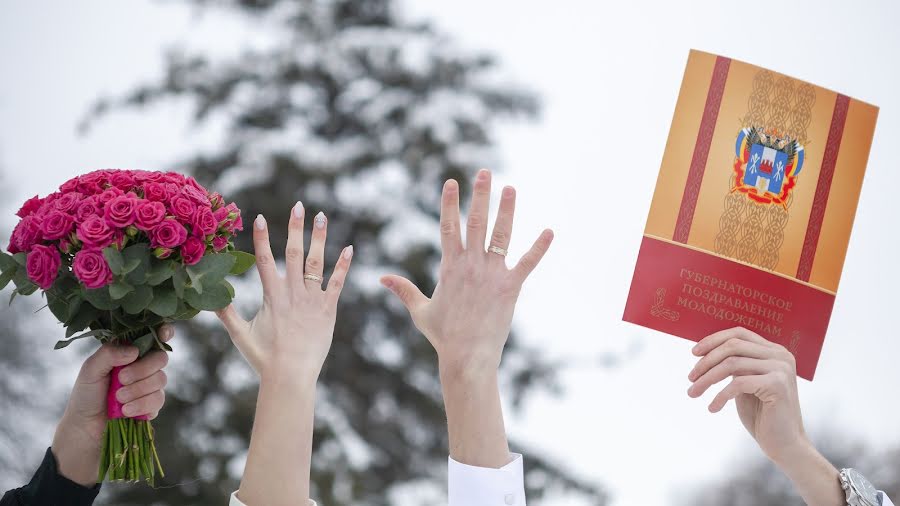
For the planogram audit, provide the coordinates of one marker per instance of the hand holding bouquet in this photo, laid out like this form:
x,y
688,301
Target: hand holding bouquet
x,y
118,253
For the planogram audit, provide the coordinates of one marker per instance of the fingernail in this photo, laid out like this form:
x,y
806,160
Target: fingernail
x,y
259,222
387,282
120,395
128,410
124,378
320,220
298,209
348,252
482,174
508,191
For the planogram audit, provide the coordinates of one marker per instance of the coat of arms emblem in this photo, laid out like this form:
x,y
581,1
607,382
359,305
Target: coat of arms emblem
x,y
767,165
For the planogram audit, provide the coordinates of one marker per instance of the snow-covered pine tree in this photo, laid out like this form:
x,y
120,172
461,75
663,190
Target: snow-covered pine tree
x,y
360,113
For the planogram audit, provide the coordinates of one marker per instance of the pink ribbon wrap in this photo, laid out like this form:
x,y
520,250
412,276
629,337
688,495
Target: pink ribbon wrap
x,y
113,406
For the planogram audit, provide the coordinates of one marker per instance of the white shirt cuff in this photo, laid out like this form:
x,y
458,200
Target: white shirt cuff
x,y
237,502
885,500
482,486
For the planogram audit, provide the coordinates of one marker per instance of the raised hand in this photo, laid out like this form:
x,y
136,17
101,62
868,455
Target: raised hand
x,y
764,387
286,343
295,324
468,318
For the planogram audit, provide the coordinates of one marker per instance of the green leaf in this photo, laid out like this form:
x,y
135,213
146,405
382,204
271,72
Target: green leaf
x,y
164,303
243,262
74,303
179,281
101,299
138,299
159,272
159,342
6,277
93,333
228,287
58,306
81,320
114,259
27,289
210,270
119,289
185,311
7,262
21,259
137,263
215,297
21,279
144,344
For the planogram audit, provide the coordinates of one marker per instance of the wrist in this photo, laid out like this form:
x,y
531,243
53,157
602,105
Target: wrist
x,y
817,480
77,450
290,374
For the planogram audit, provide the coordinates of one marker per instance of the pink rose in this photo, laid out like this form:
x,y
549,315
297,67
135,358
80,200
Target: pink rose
x,y
122,179
216,200
221,215
149,214
145,176
119,212
156,191
203,222
30,206
92,183
109,194
195,195
219,243
183,209
234,218
68,202
94,232
173,177
90,268
70,185
43,265
57,225
87,208
192,250
168,234
25,235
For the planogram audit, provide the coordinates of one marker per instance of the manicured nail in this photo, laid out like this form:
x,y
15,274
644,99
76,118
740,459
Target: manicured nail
x,y
387,282
483,174
298,209
320,220
259,222
508,191
348,252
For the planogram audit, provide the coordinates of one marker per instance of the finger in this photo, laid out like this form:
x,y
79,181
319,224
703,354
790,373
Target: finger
x,y
232,320
165,332
476,227
740,385
265,262
336,283
503,226
451,242
732,366
714,340
146,405
533,256
98,366
315,261
408,293
146,386
143,368
293,253
731,348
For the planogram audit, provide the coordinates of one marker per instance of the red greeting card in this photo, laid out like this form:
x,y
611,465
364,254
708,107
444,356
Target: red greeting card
x,y
753,207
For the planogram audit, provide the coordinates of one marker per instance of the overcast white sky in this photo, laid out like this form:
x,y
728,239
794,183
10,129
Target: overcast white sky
x,y
609,75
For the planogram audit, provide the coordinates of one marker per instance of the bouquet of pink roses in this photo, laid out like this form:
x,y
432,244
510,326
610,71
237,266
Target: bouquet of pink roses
x,y
120,252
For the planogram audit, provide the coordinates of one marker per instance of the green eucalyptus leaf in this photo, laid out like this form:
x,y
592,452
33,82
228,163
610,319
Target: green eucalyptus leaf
x,y
7,262
119,289
27,289
179,281
5,277
114,259
99,333
21,258
137,300
137,263
58,306
101,299
185,311
210,270
243,262
159,272
144,344
165,302
21,279
81,320
228,286
215,297
74,304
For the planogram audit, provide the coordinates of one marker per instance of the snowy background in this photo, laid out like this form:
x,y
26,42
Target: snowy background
x,y
608,75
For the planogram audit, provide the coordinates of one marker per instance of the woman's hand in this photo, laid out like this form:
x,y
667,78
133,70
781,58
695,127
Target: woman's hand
x,y
764,388
77,442
468,317
295,325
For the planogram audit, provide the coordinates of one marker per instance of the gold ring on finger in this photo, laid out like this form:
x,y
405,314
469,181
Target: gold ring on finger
x,y
498,250
313,277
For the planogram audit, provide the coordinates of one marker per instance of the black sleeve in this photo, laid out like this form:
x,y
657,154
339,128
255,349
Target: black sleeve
x,y
49,488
